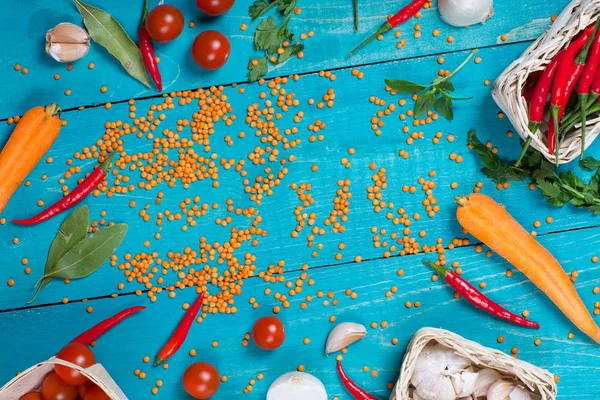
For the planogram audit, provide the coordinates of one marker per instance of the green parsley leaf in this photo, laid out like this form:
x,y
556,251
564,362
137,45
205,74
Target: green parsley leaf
x,y
258,71
289,52
285,6
404,87
589,164
258,8
267,36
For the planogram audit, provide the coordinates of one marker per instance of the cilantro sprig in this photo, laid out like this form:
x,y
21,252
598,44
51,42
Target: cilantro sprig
x,y
558,188
270,38
437,94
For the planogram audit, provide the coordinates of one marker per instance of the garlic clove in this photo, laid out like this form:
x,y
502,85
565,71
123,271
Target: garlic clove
x,y
519,393
439,388
297,386
464,382
465,12
67,42
465,398
343,335
485,379
501,390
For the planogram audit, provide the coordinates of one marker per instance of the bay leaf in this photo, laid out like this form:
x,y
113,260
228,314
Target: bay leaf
x,y
85,257
107,32
70,232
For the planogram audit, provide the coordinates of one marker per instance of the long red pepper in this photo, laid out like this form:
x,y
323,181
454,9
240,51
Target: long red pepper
x,y
401,16
79,193
477,298
353,388
559,97
147,50
181,332
540,93
101,328
585,82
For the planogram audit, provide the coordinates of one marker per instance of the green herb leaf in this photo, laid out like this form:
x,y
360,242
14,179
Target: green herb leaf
x,y
589,163
444,85
444,107
258,8
85,257
268,35
285,6
493,167
258,71
404,87
107,32
71,232
289,52
424,103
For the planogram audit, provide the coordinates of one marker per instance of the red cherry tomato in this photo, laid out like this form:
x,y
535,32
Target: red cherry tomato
x,y
214,7
268,333
55,389
95,393
211,49
201,380
32,396
164,23
84,388
78,354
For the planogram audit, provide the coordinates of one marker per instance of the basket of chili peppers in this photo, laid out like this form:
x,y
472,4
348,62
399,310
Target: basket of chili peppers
x,y
550,94
440,364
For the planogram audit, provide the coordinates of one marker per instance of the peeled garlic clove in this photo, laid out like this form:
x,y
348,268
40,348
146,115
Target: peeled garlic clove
x,y
519,393
485,379
297,386
464,382
500,390
67,42
343,335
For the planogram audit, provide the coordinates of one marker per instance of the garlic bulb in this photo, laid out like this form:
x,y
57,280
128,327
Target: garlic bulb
x,y
297,386
464,382
466,12
485,379
67,42
507,390
343,335
433,369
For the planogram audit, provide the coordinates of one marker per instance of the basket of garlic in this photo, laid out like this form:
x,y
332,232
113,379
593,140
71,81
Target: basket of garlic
x,y
441,365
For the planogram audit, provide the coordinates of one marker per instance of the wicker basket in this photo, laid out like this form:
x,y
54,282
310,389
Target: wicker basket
x,y
538,380
32,378
507,90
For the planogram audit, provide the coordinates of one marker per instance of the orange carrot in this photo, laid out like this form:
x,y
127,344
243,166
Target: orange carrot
x,y
489,222
28,143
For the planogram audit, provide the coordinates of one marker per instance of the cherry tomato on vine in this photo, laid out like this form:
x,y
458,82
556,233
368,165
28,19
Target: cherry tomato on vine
x,y
32,396
78,354
164,23
214,7
211,49
95,393
268,333
55,389
201,380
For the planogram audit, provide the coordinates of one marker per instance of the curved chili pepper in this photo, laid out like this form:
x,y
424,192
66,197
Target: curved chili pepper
x,y
147,50
101,328
564,75
477,298
353,388
540,93
401,16
181,332
79,193
583,89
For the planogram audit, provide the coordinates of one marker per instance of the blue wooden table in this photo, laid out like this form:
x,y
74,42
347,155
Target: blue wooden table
x,y
331,264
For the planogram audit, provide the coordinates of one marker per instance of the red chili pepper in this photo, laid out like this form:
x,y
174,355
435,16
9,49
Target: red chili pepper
x,y
564,76
401,16
585,83
181,332
353,388
540,93
530,84
101,328
477,298
79,193
147,50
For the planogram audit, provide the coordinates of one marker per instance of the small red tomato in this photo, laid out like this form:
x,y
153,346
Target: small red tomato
x,y
211,49
55,389
84,388
201,380
164,23
78,354
32,396
95,393
214,7
268,333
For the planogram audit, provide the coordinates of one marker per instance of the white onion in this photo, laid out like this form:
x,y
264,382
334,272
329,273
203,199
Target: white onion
x,y
466,12
297,386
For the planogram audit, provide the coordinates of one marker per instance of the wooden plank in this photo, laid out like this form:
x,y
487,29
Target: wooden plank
x,y
330,20
123,349
348,125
